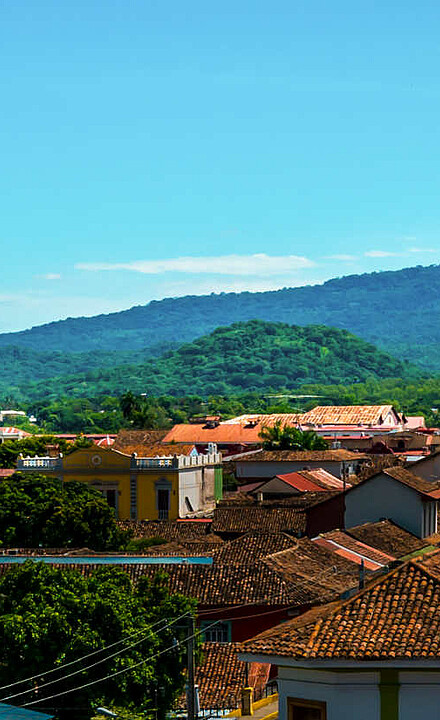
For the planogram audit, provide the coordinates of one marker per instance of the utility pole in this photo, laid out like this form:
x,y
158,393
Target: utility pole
x,y
191,691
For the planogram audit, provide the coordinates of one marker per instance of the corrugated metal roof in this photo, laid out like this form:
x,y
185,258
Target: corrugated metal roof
x,y
348,415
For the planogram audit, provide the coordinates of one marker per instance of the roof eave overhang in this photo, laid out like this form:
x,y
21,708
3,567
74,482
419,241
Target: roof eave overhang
x,y
317,664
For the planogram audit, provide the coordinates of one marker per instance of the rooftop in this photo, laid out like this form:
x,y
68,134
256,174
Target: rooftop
x,y
394,617
385,535
342,544
348,415
244,519
340,455
221,676
427,488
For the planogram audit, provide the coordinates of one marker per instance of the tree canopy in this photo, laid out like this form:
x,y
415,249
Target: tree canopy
x,y
243,357
51,616
368,305
285,437
40,511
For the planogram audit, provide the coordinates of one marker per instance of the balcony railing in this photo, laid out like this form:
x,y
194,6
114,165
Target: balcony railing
x,y
176,461
38,462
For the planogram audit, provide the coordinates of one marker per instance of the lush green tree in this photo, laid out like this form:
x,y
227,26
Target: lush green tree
x,y
285,437
51,616
40,511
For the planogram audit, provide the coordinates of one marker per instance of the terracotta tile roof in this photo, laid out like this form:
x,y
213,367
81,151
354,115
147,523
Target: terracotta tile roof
x,y
388,537
159,449
129,438
244,519
301,456
166,529
7,472
394,617
251,547
316,568
221,676
347,415
341,543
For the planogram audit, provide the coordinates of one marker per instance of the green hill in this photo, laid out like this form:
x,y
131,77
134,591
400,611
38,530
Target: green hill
x,y
249,356
398,311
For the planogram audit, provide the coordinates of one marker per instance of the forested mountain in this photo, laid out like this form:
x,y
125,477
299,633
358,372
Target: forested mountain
x,y
249,356
398,311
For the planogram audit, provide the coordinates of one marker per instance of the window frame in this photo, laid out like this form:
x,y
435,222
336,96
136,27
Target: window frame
x,y
307,704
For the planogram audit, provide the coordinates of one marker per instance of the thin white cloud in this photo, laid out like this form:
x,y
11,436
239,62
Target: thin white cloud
x,y
380,254
258,264
421,250
51,276
342,257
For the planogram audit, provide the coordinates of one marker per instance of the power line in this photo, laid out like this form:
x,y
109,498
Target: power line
x,y
88,667
84,657
119,672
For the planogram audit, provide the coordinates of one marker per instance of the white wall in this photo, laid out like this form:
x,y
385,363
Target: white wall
x,y
197,484
349,696
383,497
419,696
190,486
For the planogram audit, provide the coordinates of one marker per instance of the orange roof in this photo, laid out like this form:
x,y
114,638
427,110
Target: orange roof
x,y
393,618
225,433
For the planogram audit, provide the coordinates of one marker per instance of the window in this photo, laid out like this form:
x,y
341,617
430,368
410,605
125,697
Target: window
x,y
306,709
163,503
218,633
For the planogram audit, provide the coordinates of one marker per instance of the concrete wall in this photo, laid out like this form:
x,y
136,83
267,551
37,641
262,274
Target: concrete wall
x,y
349,696
419,696
382,497
428,469
190,486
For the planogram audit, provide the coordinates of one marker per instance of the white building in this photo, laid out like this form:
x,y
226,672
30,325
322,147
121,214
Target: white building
x,y
375,656
396,494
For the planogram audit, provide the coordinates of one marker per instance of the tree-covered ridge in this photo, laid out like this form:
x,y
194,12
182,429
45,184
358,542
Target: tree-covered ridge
x,y
249,356
396,310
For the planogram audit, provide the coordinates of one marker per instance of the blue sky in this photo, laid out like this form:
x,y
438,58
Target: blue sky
x,y
153,148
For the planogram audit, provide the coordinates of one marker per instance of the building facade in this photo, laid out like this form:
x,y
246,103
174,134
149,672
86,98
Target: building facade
x,y
140,488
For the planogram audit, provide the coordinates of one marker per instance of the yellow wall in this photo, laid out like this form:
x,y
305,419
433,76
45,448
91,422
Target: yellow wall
x,y
108,467
147,494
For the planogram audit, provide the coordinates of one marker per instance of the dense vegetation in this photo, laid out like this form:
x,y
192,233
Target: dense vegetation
x,y
103,413
39,511
50,617
248,356
285,437
397,310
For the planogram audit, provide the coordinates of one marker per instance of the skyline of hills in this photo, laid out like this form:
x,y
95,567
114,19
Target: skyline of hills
x,y
399,311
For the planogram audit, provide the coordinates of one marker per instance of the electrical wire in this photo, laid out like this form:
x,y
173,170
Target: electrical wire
x,y
119,672
88,667
84,657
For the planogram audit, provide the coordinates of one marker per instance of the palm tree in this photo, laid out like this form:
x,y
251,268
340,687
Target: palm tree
x,y
286,437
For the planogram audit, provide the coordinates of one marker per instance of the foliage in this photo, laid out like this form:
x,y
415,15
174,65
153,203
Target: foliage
x,y
285,437
369,305
36,445
51,616
252,356
40,511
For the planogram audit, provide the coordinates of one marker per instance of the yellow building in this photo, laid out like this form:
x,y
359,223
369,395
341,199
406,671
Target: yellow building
x,y
163,487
